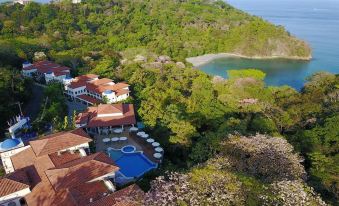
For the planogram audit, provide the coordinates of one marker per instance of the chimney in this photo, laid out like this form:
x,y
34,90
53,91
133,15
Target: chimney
x,y
90,199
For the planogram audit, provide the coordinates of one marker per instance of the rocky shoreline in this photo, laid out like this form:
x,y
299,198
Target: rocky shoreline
x,y
204,59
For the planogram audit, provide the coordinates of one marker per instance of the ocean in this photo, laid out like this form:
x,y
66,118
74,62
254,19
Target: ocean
x,y
315,21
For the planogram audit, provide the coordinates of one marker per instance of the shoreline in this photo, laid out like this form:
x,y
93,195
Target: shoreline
x,y
206,58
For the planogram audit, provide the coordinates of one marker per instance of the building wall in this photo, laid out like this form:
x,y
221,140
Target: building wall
x,y
51,77
84,145
14,197
6,158
77,91
28,73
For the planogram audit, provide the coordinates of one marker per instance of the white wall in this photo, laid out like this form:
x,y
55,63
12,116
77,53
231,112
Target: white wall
x,y
6,158
14,196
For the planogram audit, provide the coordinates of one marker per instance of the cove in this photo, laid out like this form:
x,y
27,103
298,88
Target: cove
x,y
316,22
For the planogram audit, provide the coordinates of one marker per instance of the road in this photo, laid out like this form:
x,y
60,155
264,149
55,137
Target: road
x,y
32,107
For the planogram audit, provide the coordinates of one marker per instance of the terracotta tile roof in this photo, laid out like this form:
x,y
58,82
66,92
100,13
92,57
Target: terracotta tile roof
x,y
59,141
58,73
47,66
8,186
115,87
129,196
81,170
127,118
23,159
101,81
77,84
89,99
87,77
84,193
110,108
122,92
64,157
82,118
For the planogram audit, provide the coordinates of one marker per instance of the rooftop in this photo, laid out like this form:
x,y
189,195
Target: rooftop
x,y
47,66
56,142
58,178
95,116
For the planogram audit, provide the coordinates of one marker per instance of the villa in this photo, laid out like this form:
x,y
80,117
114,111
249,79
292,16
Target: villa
x,y
104,118
91,90
49,71
57,170
23,2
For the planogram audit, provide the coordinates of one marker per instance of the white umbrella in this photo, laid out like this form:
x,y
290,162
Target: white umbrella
x,y
105,140
150,140
157,155
145,136
115,139
123,138
159,149
140,133
117,131
133,129
155,144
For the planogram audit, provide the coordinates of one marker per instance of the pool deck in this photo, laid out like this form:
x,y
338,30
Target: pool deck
x,y
132,139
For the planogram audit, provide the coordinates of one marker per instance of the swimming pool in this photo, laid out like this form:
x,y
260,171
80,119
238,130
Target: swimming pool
x,y
132,164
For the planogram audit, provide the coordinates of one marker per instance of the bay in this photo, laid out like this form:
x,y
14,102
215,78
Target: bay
x,y
315,21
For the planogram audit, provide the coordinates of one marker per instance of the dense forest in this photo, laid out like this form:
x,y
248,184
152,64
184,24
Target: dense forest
x,y
178,29
232,141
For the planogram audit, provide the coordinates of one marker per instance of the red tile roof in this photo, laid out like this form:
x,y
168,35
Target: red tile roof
x,y
122,92
129,196
87,192
127,118
101,81
64,157
110,108
46,66
51,183
8,186
59,141
81,170
77,84
89,99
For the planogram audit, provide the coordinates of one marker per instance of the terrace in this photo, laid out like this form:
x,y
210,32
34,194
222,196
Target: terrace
x,y
138,142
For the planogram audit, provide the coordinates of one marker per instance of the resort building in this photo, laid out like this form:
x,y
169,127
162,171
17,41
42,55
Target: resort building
x,y
18,124
49,71
104,118
91,90
56,170
23,2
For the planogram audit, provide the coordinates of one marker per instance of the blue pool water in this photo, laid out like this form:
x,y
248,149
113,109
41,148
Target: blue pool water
x,y
128,149
132,164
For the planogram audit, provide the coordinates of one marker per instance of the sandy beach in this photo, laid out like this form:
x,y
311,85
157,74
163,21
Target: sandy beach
x,y
204,59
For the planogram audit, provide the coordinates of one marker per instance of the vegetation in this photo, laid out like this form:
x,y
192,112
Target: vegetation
x,y
207,125
54,110
14,90
193,116
88,35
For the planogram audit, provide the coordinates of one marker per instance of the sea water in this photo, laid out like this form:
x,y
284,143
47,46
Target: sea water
x,y
315,21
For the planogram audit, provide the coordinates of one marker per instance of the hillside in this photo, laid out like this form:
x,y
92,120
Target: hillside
x,y
178,29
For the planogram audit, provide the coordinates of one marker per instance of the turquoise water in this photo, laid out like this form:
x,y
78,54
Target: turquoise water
x,y
316,21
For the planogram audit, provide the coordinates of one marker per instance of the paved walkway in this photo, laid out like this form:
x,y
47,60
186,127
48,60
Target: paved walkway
x,y
32,107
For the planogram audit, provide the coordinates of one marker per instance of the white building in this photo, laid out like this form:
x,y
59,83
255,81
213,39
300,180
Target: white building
x,y
47,70
91,90
23,2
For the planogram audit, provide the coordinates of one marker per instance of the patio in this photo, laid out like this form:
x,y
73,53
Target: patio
x,y
141,144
